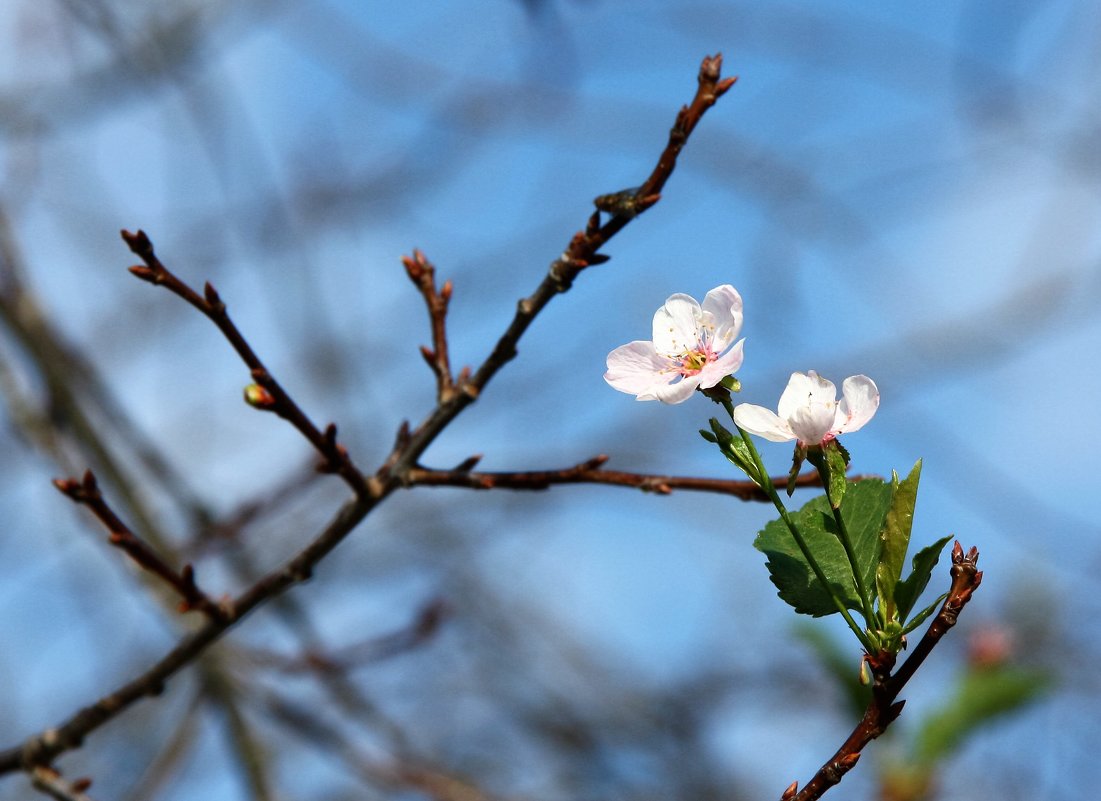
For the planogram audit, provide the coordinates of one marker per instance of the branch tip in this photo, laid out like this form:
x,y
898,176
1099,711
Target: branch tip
x,y
138,242
469,463
213,298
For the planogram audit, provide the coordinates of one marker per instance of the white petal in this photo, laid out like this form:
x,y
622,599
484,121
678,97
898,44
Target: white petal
x,y
762,422
636,368
813,422
677,325
805,390
725,365
859,404
675,393
725,306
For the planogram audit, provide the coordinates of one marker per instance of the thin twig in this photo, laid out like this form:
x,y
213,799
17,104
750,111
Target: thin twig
x,y
592,472
86,492
273,397
883,709
423,274
49,781
368,651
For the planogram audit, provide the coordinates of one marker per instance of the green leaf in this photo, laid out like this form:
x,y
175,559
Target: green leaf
x,y
733,448
983,693
863,510
907,592
836,462
895,539
919,618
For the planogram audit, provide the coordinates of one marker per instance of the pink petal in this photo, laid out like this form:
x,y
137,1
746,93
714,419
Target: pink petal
x,y
635,368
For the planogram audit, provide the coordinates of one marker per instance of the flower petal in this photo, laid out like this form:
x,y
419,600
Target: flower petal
x,y
762,422
859,404
674,393
636,368
805,390
725,306
813,422
677,325
725,365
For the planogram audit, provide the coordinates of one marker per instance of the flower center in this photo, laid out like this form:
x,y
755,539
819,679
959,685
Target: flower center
x,y
692,361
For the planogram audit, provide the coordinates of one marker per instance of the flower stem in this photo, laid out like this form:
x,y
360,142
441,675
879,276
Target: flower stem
x,y
846,543
767,486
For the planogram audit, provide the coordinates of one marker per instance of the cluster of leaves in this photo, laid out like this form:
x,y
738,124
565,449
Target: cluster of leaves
x,y
879,516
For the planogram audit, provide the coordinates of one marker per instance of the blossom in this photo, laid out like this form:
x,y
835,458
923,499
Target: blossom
x,y
693,346
809,411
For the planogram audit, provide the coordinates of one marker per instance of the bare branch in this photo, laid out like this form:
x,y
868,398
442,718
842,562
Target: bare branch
x,y
49,781
423,274
592,472
86,492
273,397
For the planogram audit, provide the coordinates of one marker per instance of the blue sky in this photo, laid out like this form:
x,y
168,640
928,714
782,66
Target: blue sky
x,y
904,191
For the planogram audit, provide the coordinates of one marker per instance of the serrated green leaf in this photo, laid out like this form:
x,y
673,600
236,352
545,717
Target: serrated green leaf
x,y
907,592
982,694
863,510
895,539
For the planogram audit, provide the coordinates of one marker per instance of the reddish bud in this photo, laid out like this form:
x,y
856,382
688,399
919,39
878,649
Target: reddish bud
x,y
259,398
790,792
445,290
724,84
144,273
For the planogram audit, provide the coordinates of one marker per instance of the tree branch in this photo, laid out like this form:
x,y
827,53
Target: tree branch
x,y
271,397
42,748
882,709
86,492
592,472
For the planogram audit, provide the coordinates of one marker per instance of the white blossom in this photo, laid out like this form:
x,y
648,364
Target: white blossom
x,y
810,412
693,346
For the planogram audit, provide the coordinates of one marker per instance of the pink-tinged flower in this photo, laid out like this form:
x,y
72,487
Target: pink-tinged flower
x,y
809,411
693,347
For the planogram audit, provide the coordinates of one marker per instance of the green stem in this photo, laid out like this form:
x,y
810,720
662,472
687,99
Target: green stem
x,y
846,543
767,486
